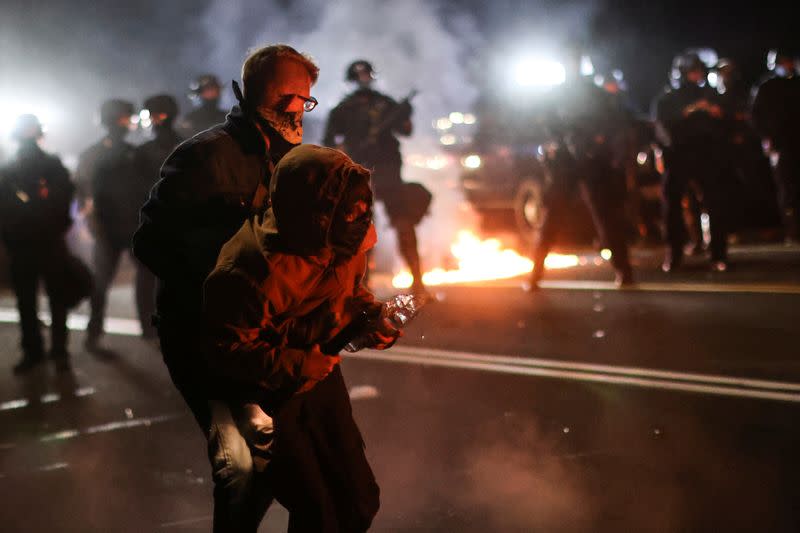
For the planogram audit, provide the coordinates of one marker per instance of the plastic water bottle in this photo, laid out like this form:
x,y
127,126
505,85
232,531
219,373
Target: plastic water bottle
x,y
399,311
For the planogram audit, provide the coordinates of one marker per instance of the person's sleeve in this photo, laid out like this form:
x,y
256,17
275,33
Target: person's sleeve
x,y
247,348
184,217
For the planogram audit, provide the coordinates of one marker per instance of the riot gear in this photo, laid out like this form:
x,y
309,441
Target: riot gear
x,y
365,125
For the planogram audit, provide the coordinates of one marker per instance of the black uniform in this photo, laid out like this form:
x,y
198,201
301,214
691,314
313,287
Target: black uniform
x,y
695,144
365,125
776,116
588,132
35,195
150,156
108,174
200,119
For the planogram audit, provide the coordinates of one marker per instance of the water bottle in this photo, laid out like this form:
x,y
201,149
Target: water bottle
x,y
399,311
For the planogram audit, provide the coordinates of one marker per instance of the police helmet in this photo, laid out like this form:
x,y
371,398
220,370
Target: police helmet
x,y
162,103
27,126
112,110
203,82
685,63
359,67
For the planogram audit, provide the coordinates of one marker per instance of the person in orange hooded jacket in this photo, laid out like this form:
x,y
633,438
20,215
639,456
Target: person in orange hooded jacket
x,y
286,283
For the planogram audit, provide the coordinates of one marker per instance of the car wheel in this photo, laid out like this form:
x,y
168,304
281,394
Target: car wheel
x,y
528,208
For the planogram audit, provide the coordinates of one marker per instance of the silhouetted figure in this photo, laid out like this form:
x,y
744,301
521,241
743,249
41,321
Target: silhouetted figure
x,y
151,155
35,195
365,125
205,92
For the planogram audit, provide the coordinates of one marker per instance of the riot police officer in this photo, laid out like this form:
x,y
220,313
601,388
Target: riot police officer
x,y
692,132
35,195
365,125
205,91
163,110
113,190
588,134
776,116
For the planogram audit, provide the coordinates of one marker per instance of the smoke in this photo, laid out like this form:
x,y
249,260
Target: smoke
x,y
409,44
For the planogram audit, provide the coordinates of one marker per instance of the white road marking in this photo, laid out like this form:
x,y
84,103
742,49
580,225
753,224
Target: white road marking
x,y
186,522
609,374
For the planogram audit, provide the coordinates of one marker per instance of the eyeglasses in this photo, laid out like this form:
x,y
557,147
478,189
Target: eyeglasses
x,y
308,103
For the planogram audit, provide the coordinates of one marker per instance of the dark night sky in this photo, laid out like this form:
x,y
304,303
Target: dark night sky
x,y
85,50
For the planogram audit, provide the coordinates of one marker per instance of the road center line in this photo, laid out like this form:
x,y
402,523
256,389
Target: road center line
x,y
401,355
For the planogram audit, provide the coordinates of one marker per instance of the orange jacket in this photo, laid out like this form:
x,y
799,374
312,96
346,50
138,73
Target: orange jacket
x,y
278,284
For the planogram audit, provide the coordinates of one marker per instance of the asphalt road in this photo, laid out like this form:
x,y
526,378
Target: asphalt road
x,y
670,407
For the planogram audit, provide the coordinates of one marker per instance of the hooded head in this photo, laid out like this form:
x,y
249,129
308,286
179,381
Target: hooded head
x,y
321,199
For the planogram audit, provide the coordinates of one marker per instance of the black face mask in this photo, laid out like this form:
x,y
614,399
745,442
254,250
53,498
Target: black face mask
x,y
346,237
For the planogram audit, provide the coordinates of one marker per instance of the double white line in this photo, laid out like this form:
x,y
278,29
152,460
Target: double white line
x,y
607,374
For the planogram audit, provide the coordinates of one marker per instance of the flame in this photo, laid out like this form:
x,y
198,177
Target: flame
x,y
483,260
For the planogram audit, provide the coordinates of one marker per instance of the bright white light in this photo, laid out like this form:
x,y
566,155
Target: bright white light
x,y
456,117
144,114
587,68
469,118
443,124
605,253
713,79
472,161
448,139
10,111
641,158
533,72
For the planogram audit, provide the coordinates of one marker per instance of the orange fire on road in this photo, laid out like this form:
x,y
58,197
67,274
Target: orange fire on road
x,y
482,260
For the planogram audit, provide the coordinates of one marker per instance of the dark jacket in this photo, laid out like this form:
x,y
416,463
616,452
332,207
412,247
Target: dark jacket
x,y
108,174
365,125
207,189
278,284
776,112
200,119
35,197
681,124
152,154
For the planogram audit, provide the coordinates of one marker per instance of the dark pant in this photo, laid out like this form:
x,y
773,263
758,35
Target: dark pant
x,y
241,497
701,169
388,187
787,180
319,469
106,261
601,187
28,267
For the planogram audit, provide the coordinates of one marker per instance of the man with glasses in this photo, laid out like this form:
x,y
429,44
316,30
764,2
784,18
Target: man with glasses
x,y
209,186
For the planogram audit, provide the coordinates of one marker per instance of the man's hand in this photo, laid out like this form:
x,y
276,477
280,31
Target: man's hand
x,y
316,367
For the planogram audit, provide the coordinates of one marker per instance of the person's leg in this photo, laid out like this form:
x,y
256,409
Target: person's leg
x,y
54,281
300,484
145,299
236,507
606,206
545,235
715,201
25,278
787,180
407,244
673,187
106,259
339,447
